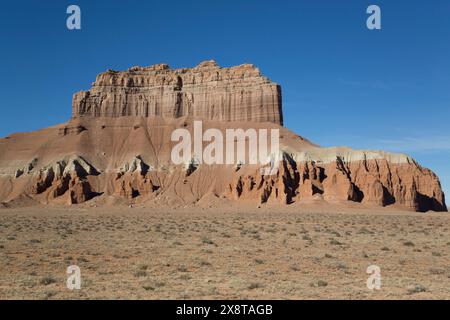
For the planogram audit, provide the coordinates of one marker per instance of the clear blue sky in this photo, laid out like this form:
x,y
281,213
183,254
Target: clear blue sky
x,y
342,83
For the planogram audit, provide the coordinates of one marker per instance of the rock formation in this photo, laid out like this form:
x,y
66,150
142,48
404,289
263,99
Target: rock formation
x,y
205,92
117,149
373,180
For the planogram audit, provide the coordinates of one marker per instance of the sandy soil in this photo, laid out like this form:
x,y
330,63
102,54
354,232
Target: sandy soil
x,y
139,253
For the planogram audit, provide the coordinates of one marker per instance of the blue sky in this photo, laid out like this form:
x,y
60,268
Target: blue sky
x,y
342,83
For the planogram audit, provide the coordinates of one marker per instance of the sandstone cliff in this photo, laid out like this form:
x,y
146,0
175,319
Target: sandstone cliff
x,y
117,149
128,158
206,92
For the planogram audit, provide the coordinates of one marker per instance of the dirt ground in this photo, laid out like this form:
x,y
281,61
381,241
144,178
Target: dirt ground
x,y
195,253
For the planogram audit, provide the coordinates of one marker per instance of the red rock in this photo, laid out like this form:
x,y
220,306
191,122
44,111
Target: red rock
x,y
207,92
118,144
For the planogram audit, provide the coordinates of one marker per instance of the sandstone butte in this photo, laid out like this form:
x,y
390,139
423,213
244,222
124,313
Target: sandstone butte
x,y
115,150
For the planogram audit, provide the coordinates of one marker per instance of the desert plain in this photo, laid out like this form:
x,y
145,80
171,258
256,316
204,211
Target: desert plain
x,y
294,252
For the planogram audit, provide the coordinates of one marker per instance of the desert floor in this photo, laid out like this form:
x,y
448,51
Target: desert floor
x,y
267,253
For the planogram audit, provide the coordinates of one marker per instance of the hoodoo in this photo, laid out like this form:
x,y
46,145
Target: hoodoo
x,y
116,149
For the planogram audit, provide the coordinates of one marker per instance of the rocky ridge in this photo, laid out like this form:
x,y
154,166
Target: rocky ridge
x,y
206,91
114,152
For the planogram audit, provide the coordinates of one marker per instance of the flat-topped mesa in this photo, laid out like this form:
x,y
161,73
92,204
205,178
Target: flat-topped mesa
x,y
206,92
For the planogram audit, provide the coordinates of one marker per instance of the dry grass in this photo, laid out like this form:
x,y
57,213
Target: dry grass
x,y
206,254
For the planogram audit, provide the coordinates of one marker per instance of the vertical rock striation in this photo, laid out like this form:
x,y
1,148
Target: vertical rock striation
x,y
206,92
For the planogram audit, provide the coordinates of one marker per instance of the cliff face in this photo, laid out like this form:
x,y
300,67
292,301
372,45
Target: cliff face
x,y
374,181
206,92
128,159
117,149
